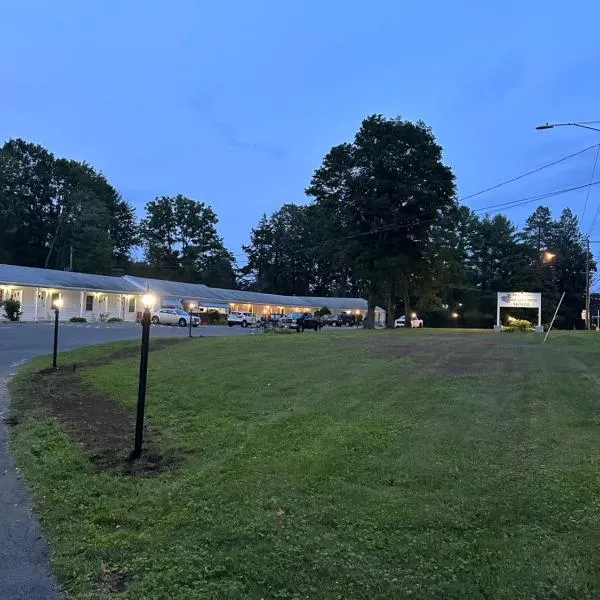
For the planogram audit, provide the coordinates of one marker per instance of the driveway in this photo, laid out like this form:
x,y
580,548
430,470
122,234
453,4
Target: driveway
x,y
24,560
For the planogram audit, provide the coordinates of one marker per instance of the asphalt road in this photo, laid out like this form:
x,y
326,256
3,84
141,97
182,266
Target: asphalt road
x,y
24,559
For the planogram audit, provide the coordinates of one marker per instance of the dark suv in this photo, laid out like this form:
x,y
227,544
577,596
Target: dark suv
x,y
300,322
340,320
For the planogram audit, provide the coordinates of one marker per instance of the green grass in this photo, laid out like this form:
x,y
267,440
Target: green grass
x,y
405,464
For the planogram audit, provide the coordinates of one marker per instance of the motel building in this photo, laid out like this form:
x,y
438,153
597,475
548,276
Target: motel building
x,y
98,298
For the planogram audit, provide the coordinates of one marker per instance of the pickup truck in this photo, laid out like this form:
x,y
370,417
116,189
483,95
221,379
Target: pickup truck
x,y
414,321
241,318
300,322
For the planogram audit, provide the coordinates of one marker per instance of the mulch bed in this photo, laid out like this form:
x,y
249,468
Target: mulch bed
x,y
104,428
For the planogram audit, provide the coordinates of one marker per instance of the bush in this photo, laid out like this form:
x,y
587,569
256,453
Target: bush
x,y
78,320
213,317
518,325
440,317
477,319
322,312
12,309
114,320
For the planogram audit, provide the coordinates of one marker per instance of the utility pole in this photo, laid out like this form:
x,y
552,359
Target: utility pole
x,y
587,285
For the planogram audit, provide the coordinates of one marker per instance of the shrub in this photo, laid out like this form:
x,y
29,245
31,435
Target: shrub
x,y
114,320
475,318
78,320
213,317
322,312
518,325
12,309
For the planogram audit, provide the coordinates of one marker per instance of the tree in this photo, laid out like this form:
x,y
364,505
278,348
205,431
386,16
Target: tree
x,y
384,191
539,229
181,241
51,209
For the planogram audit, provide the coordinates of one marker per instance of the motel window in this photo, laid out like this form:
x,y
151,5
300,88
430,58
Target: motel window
x,y
89,303
132,304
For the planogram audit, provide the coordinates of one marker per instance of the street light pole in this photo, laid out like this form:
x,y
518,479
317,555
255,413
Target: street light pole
x,y
148,301
581,125
587,256
57,305
587,284
190,308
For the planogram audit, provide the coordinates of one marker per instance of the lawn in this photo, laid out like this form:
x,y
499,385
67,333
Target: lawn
x,y
352,465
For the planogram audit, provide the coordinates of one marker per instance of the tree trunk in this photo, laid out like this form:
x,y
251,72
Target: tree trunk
x,y
406,296
370,318
390,311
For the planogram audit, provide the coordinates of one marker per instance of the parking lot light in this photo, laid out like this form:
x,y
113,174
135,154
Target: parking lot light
x,y
148,301
56,304
191,307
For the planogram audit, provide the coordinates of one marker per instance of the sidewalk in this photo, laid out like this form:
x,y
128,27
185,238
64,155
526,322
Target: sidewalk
x,y
24,561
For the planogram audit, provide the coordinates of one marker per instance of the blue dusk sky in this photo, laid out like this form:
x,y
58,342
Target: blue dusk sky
x,y
236,103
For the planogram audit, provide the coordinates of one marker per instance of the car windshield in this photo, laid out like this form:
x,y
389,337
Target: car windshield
x,y
295,315
181,312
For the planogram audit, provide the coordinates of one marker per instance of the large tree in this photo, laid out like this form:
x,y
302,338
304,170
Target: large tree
x,y
58,212
181,241
384,191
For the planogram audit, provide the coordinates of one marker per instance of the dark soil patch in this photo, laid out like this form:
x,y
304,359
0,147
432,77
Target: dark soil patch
x,y
103,428
112,581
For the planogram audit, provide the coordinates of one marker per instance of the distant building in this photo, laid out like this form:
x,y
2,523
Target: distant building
x,y
99,297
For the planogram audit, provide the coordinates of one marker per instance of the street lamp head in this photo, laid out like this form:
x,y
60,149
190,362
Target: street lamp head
x,y
148,300
192,306
545,126
455,315
549,256
58,303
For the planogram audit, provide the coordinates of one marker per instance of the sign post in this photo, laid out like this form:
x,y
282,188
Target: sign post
x,y
519,300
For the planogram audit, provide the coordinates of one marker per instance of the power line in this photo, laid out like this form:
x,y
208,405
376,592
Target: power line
x,y
546,166
589,188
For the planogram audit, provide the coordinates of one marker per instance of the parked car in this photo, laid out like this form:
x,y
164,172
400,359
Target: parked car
x,y
241,318
301,321
174,316
342,320
414,321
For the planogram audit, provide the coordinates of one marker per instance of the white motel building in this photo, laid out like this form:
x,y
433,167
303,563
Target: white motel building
x,y
101,297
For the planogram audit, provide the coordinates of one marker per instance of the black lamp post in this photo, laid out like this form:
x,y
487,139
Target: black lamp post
x,y
190,308
148,301
57,304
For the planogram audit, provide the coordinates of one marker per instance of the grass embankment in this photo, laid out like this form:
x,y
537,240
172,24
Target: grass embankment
x,y
342,465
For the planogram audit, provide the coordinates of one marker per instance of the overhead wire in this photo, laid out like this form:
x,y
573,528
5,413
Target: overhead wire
x,y
587,196
532,172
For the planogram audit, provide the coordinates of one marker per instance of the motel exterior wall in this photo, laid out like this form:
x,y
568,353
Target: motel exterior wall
x,y
37,303
98,297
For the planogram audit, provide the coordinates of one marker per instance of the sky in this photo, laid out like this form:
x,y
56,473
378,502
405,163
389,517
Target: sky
x,y
236,103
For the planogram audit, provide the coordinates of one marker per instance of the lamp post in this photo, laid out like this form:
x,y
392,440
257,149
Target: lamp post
x,y
585,125
190,309
148,301
56,304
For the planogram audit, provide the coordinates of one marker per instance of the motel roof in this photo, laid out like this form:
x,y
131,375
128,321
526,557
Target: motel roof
x,y
49,278
129,284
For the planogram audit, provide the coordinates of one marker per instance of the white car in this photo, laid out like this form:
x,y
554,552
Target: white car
x,y
173,316
241,318
414,322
